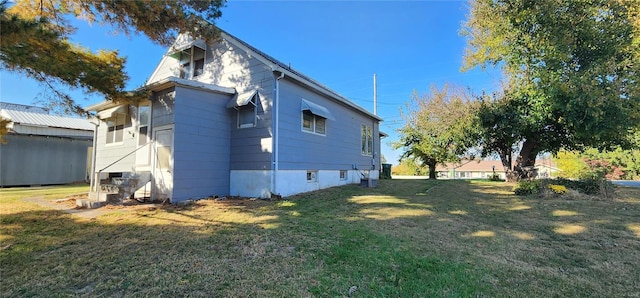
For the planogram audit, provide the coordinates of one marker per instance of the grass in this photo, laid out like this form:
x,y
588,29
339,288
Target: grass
x,y
405,238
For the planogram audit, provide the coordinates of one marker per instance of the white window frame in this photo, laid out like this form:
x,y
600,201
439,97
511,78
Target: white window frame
x,y
343,175
146,125
314,123
114,120
143,155
366,140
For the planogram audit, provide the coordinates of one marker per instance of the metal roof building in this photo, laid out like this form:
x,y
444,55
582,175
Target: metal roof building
x,y
43,149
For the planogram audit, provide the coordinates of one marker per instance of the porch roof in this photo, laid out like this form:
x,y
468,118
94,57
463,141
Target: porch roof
x,y
164,84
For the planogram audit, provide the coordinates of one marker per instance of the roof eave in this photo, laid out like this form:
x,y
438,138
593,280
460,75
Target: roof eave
x,y
164,84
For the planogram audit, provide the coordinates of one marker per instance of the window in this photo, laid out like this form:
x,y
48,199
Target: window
x,y
367,140
247,113
185,70
191,62
313,123
246,105
115,128
198,68
343,175
143,126
312,176
246,116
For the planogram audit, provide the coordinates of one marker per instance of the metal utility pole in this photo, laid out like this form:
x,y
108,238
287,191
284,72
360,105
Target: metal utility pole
x,y
375,95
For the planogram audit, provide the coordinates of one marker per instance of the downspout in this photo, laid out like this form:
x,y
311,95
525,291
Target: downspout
x,y
93,154
276,133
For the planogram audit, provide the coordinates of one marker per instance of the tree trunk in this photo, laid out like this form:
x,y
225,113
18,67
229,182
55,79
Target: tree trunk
x,y
526,161
506,156
432,171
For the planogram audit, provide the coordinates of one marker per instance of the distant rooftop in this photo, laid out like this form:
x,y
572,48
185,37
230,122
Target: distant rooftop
x,y
36,116
24,108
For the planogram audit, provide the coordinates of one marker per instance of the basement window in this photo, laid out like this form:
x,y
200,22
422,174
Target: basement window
x,y
312,176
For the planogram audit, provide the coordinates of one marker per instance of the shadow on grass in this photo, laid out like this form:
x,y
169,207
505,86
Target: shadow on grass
x,y
404,238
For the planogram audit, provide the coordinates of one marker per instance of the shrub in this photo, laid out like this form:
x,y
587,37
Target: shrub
x,y
527,187
558,189
593,185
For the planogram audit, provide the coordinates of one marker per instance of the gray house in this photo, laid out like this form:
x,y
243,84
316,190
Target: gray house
x,y
43,149
227,119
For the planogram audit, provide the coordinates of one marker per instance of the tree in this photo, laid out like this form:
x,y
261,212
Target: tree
x,y
439,127
571,164
407,166
34,41
572,70
498,124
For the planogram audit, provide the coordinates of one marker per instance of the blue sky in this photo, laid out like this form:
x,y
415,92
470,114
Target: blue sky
x,y
409,45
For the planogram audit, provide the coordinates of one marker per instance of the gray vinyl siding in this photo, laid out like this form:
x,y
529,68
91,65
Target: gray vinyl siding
x,y
230,66
109,153
338,149
40,160
201,144
250,149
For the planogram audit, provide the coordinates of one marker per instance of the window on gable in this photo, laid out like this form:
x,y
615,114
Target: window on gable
x,y
191,62
115,128
198,67
367,140
185,70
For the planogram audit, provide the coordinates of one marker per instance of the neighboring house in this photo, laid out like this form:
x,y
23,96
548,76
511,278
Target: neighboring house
x,y
477,169
227,119
546,168
43,149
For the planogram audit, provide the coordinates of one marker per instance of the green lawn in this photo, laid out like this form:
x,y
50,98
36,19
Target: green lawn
x,y
406,238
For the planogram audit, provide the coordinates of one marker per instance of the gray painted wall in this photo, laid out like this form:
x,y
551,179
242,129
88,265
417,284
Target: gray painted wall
x,y
201,144
339,149
229,66
251,147
39,160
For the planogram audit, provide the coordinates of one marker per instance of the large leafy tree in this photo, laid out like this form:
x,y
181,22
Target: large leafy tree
x,y
34,41
572,70
439,127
